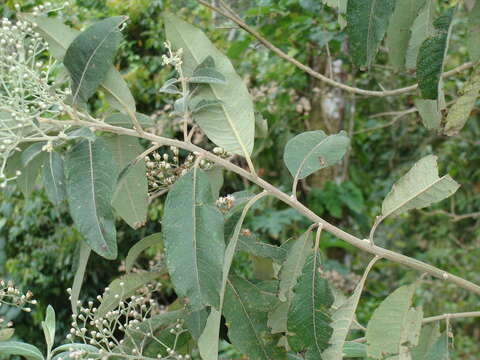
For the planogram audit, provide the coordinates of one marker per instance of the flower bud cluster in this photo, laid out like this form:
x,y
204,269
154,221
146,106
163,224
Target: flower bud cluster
x,y
12,296
345,283
225,203
173,57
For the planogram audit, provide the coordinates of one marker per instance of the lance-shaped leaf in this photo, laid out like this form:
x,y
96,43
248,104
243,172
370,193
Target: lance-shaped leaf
x,y
49,327
232,124
139,247
394,327
367,22
84,252
53,177
431,57
193,240
308,317
342,319
90,56
473,38
421,29
91,176
314,150
398,33
130,199
418,188
429,336
246,307
460,111
21,349
429,113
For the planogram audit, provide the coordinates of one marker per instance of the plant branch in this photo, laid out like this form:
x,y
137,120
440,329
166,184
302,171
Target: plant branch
x,y
364,244
316,74
451,316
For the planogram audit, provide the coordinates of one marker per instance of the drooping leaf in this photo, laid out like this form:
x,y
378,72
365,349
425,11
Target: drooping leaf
x,y
431,57
429,335
232,125
421,29
246,307
308,317
473,38
460,111
21,349
84,252
90,56
398,33
139,247
91,175
193,239
418,188
130,199
49,327
314,150
429,113
208,341
367,22
53,177
123,120
394,327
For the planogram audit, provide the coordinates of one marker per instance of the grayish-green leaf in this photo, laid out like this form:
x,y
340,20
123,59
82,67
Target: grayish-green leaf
x,y
421,29
32,152
29,174
250,245
232,125
418,188
117,92
64,351
21,349
84,252
460,111
473,38
353,349
196,321
208,341
394,327
6,334
123,120
367,22
205,75
431,57
91,175
81,133
53,177
90,56
429,335
429,113
439,350
49,327
193,239
139,247
130,199
314,150
398,33
215,177
246,307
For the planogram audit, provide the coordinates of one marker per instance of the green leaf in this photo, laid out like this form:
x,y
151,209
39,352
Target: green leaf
x,y
90,56
250,245
208,341
418,188
123,120
308,317
439,350
130,199
91,175
82,133
84,252
232,127
122,288
473,37
398,33
429,113
139,247
314,150
431,57
367,22
395,325
245,311
49,327
193,239
28,178
53,177
6,334
32,152
215,177
21,349
196,321
205,75
429,336
460,111
64,351
354,350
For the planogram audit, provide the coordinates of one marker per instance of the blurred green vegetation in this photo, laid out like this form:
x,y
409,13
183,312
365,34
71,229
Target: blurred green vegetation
x,y
38,244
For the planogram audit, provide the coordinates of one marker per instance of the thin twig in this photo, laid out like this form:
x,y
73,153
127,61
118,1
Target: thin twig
x,y
316,74
453,216
451,316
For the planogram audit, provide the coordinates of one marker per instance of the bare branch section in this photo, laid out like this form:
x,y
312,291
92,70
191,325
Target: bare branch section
x,y
383,93
364,244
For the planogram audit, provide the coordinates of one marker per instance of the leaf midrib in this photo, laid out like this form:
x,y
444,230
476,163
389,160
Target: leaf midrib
x,y
95,213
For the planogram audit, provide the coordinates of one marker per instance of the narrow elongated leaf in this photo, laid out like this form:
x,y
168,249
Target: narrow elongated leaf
x,y
429,113
421,29
418,188
473,39
429,335
91,175
139,247
460,111
231,125
208,341
84,252
398,33
314,150
21,349
246,307
49,327
394,327
367,22
130,199
193,239
431,57
53,177
65,351
308,317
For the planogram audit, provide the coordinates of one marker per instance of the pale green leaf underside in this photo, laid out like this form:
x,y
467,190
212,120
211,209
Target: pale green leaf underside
x,y
231,125
421,29
21,349
429,113
418,188
314,150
